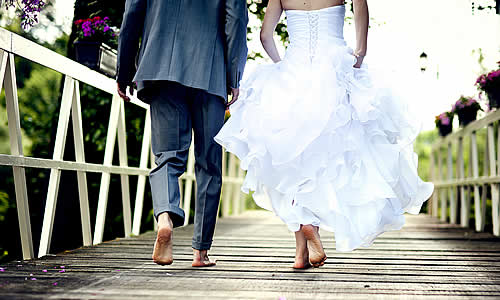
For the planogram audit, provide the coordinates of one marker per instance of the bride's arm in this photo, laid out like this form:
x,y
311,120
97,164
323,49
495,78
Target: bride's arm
x,y
271,19
361,20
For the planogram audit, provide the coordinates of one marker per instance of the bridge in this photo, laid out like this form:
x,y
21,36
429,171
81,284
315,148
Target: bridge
x,y
433,257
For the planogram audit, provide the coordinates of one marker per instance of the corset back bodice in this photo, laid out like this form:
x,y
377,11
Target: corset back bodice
x,y
311,32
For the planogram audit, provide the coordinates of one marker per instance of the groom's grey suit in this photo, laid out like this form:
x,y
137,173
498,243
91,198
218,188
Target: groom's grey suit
x,y
192,52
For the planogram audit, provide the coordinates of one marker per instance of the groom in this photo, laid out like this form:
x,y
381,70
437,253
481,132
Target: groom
x,y
192,54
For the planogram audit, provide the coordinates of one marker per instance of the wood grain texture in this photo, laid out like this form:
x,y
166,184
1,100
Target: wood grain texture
x,y
255,251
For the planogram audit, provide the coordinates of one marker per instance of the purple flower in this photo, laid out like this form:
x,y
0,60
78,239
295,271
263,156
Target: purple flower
x,y
445,121
28,10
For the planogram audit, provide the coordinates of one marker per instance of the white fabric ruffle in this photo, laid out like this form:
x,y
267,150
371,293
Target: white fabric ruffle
x,y
324,145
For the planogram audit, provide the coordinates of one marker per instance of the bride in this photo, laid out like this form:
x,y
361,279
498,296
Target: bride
x,y
323,144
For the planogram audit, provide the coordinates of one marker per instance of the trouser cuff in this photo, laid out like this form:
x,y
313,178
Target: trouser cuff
x,y
201,245
176,214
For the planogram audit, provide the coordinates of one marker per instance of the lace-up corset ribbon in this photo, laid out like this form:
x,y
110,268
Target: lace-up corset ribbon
x,y
312,31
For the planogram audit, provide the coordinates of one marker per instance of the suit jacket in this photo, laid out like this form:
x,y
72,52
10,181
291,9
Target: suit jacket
x,y
198,43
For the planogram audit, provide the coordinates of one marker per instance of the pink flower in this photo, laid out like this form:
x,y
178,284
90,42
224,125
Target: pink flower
x,y
445,121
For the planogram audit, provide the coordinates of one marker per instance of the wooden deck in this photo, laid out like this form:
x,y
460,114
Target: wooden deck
x,y
427,259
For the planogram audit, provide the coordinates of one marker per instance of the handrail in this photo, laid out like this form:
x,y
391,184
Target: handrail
x,y
12,45
452,182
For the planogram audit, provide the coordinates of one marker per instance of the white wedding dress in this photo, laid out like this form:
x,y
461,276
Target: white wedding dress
x,y
321,143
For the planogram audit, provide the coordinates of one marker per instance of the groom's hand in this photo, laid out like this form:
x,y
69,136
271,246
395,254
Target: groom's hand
x,y
122,90
235,93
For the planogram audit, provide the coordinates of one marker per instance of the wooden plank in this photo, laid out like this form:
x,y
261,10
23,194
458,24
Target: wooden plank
x,y
83,194
255,252
16,148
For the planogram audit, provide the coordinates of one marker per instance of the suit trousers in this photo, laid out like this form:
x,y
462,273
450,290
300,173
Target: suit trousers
x,y
176,112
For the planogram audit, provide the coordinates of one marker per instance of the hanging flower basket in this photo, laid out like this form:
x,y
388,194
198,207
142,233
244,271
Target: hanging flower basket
x,y
90,47
490,84
97,56
466,108
444,123
466,116
493,94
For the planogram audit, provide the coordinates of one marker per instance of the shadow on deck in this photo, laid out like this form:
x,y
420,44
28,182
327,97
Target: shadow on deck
x,y
255,252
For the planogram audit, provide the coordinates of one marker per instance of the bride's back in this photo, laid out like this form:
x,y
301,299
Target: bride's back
x,y
309,4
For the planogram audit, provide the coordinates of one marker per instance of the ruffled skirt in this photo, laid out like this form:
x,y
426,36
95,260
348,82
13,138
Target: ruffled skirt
x,y
324,144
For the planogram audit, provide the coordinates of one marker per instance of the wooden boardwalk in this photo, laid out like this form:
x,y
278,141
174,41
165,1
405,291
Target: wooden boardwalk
x,y
427,259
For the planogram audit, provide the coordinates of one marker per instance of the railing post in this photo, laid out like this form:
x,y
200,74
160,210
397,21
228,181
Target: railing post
x,y
435,194
106,176
430,202
451,190
188,188
8,78
141,181
55,174
123,158
227,187
464,213
442,194
76,113
494,186
237,207
153,166
478,203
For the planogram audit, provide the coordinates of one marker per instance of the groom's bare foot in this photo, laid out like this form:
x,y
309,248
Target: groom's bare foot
x,y
317,254
162,253
200,259
301,252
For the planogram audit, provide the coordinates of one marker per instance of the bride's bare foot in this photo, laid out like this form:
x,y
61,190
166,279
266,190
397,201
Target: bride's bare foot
x,y
317,254
301,252
162,253
200,259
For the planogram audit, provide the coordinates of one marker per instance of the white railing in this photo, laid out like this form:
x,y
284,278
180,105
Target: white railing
x,y
12,45
453,183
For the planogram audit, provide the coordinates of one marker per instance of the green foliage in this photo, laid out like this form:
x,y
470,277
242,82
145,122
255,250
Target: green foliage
x,y
423,149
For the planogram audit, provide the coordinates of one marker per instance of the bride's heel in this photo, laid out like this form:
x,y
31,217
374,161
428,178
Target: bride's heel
x,y
317,254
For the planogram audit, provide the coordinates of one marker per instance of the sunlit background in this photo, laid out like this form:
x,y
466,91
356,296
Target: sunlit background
x,y
460,43
432,51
